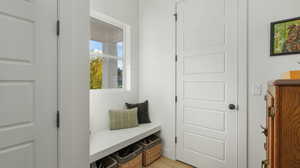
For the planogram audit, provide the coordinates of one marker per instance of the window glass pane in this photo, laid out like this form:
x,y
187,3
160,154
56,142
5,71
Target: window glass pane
x,y
120,63
96,46
106,56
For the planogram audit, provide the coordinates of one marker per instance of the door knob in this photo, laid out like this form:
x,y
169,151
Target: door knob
x,y
232,107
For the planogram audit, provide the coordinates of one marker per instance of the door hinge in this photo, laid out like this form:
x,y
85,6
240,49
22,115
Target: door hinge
x,y
176,58
175,139
176,99
57,119
57,27
176,16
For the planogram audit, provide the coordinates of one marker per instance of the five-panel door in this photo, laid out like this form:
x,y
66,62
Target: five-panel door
x,y
207,83
28,84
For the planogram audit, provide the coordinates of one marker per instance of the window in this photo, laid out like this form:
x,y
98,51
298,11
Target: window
x,y
108,54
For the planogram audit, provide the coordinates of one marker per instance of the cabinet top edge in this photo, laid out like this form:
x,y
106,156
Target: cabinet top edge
x,y
286,82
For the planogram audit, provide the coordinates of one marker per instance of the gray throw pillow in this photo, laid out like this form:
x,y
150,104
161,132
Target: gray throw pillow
x,y
120,119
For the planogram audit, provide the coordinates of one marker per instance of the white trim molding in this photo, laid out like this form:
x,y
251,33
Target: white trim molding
x,y
73,84
243,84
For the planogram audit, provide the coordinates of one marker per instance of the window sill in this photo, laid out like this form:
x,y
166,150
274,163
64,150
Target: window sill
x,y
109,91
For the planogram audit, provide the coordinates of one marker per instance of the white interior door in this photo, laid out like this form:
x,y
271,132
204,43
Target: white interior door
x,y
28,84
207,83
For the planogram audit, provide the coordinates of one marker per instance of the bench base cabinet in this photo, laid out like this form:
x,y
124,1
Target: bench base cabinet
x,y
283,125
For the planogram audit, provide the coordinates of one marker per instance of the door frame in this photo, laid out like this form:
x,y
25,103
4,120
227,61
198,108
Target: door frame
x,y
73,83
242,82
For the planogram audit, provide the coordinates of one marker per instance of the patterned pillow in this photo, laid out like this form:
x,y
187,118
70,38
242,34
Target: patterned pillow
x,y
120,119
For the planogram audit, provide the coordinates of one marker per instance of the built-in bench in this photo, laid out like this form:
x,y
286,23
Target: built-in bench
x,y
105,143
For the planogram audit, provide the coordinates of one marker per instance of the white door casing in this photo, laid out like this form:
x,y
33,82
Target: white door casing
x,y
207,73
28,83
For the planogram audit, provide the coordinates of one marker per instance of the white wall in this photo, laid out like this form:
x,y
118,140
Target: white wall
x,y
101,101
262,67
157,66
74,84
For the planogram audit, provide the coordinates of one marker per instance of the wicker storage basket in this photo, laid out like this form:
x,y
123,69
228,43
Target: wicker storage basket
x,y
107,162
152,149
130,157
93,165
134,163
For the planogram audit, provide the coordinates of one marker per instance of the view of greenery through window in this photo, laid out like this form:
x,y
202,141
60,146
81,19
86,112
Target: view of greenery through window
x,y
96,65
101,64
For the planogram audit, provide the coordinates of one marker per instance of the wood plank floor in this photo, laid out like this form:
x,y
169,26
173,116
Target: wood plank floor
x,y
167,163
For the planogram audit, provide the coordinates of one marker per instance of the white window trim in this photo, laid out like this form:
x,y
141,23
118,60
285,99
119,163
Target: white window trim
x,y
127,51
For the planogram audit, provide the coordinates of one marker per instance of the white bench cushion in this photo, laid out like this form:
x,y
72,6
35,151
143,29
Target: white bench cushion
x,y
107,142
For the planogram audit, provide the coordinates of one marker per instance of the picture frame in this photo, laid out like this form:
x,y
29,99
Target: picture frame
x,y
285,37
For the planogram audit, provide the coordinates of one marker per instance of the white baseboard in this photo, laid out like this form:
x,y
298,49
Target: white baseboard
x,y
169,154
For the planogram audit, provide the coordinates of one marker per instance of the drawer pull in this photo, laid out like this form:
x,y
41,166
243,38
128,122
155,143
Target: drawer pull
x,y
271,111
264,164
266,146
265,130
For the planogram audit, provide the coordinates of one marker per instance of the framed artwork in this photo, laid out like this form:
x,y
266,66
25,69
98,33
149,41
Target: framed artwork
x,y
285,37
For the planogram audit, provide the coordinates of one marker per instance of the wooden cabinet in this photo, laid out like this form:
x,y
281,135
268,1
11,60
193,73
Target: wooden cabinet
x,y
282,125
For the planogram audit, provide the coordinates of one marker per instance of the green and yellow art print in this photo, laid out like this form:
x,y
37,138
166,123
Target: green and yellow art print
x,y
285,37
